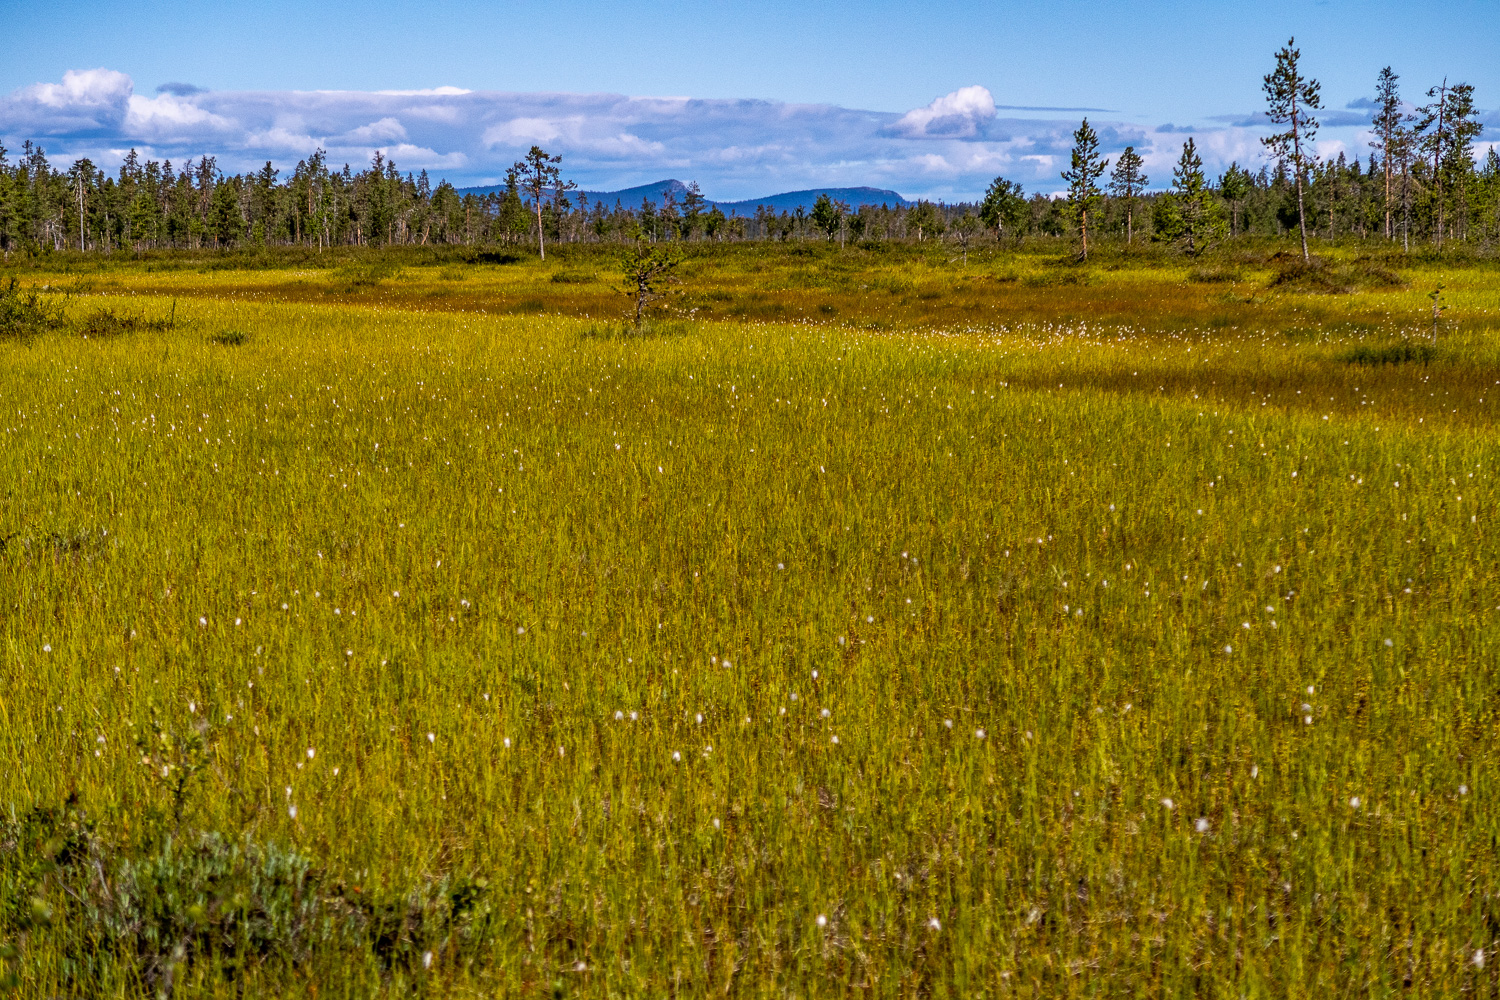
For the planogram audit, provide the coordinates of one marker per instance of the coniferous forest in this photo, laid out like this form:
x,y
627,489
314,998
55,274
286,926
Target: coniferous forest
x,y
1420,182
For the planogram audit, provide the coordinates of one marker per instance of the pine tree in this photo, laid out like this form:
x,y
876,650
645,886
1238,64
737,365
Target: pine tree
x,y
1435,133
1390,127
1460,162
1083,175
1291,99
1446,130
538,173
1127,183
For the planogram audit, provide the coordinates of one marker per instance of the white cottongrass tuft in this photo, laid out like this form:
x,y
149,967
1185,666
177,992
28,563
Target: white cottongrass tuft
x,y
1168,803
935,924
822,921
1201,825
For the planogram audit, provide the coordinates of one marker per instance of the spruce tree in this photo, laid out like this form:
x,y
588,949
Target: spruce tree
x,y
1291,98
1234,185
1004,205
1199,213
1082,176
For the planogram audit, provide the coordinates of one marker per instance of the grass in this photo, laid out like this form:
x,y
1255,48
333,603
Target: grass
x,y
417,647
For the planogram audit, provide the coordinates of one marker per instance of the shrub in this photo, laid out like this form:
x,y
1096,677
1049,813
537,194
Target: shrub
x,y
104,323
152,909
1318,275
24,313
1208,275
1391,354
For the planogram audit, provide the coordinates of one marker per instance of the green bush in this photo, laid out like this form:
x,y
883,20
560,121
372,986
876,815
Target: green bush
x,y
150,909
24,313
1391,354
105,323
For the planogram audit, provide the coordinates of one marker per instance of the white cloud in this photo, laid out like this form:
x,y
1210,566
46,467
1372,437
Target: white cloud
x,y
385,130
520,130
958,115
87,102
433,92
168,115
83,88
735,149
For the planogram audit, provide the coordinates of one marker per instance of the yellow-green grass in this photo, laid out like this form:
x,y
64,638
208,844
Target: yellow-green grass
x,y
893,287
373,543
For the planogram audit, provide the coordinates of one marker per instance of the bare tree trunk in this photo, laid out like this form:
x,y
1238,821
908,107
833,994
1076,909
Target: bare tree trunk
x,y
1387,189
1302,218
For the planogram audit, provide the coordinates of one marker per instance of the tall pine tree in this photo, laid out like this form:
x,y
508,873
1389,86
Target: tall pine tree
x,y
1389,125
1127,182
1291,98
1083,178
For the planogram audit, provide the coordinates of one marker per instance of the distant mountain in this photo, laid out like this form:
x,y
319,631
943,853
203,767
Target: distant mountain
x,y
788,201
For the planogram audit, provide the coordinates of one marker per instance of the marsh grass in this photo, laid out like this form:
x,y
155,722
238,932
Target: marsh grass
x,y
1402,353
493,653
230,338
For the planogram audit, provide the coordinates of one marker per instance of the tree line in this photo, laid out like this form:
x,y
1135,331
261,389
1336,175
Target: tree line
x,y
1420,181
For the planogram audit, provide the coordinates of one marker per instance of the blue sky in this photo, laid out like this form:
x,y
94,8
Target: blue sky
x,y
783,94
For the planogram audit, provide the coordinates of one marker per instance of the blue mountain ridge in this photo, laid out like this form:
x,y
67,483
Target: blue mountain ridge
x,y
787,201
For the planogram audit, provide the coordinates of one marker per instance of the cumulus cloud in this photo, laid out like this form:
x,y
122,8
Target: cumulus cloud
x,y
959,115
88,102
735,149
388,129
